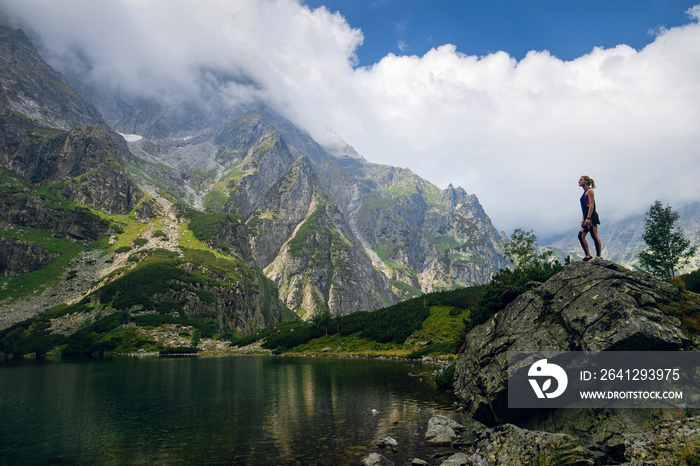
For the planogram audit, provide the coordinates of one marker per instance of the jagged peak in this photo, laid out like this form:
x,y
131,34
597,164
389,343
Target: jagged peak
x,y
453,197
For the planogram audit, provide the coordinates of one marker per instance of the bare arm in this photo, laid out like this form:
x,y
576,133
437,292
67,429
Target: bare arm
x,y
591,206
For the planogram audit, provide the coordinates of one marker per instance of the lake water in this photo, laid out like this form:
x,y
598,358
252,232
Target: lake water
x,y
229,410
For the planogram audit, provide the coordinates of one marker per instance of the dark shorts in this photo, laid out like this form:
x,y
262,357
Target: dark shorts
x,y
595,223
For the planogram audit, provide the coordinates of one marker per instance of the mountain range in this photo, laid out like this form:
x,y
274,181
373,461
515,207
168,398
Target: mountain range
x,y
233,216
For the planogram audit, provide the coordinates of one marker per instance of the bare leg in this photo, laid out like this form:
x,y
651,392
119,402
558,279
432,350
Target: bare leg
x,y
584,243
596,240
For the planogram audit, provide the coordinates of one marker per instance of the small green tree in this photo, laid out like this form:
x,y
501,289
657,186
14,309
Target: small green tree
x,y
522,251
196,337
667,248
323,320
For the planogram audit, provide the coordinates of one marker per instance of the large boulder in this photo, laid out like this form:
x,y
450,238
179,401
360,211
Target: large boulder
x,y
589,306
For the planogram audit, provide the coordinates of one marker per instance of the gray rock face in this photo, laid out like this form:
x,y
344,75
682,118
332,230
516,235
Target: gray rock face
x,y
30,87
418,238
44,155
266,159
49,134
19,257
322,268
28,209
422,238
287,204
593,306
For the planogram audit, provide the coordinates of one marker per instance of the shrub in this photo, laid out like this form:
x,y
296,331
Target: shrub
x,y
685,310
154,320
692,281
91,224
392,324
505,287
29,337
433,348
196,337
150,278
96,338
289,338
207,227
179,350
445,379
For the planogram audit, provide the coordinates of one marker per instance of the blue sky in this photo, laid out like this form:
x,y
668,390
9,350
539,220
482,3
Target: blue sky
x,y
566,28
511,100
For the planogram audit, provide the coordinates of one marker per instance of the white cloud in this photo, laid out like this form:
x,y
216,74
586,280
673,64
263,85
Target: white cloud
x,y
516,133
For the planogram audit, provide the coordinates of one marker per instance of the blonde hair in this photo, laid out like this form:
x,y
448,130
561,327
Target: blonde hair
x,y
589,180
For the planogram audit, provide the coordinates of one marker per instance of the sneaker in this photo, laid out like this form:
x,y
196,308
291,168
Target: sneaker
x,y
586,259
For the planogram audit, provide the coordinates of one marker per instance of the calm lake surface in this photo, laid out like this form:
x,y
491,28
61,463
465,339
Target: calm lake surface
x,y
231,410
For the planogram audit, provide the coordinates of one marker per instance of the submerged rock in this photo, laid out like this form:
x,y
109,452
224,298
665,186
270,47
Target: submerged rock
x,y
442,431
387,441
458,459
375,459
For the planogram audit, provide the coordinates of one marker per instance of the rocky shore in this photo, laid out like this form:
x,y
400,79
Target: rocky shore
x,y
452,444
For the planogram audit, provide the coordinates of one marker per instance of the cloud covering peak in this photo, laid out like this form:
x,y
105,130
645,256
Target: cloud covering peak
x,y
516,133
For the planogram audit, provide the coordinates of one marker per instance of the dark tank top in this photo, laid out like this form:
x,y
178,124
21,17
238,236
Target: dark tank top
x,y
584,209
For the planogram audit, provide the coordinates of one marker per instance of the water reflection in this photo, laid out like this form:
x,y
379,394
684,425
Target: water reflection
x,y
239,410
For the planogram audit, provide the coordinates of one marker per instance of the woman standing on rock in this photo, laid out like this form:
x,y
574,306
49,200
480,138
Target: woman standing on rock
x,y
590,220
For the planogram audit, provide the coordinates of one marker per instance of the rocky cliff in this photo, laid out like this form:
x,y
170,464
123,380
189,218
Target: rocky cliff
x,y
379,233
80,241
593,306
332,233
34,90
49,134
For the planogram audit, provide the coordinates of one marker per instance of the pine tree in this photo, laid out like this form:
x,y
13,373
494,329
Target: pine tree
x,y
667,248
